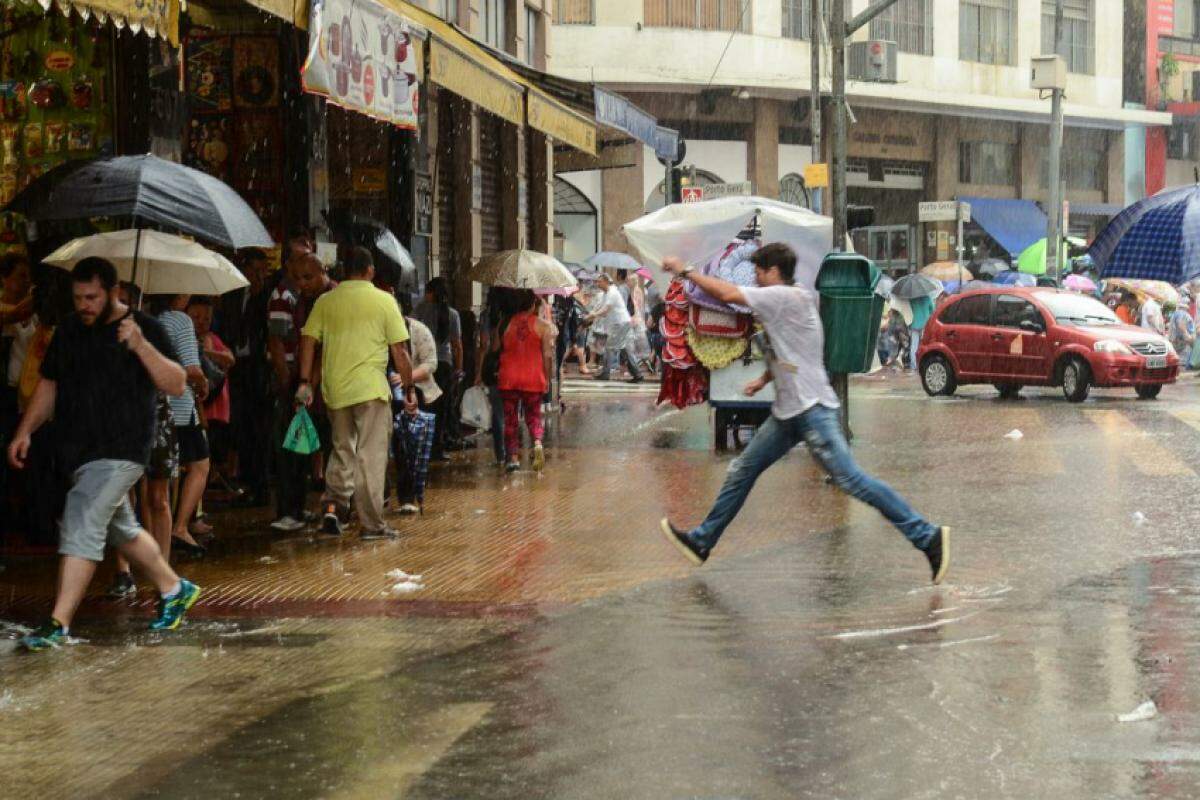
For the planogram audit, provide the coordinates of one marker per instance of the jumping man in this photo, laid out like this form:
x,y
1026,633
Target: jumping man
x,y
805,409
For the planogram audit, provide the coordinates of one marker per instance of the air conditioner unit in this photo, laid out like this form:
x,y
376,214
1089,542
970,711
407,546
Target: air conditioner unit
x,y
873,60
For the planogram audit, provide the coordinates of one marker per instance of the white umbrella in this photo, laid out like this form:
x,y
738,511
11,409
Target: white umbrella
x,y
165,264
522,269
698,231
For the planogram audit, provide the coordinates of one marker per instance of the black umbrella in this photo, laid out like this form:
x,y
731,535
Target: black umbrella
x,y
148,189
374,235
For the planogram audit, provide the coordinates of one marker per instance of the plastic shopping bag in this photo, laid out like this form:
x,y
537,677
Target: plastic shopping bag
x,y
302,438
476,409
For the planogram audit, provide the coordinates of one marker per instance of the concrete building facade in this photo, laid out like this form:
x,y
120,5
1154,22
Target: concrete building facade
x,y
960,120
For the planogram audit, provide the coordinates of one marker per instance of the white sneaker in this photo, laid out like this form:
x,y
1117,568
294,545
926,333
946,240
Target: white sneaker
x,y
287,524
409,508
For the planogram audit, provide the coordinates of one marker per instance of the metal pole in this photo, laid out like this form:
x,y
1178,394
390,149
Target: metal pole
x,y
814,115
667,186
1054,212
837,90
958,213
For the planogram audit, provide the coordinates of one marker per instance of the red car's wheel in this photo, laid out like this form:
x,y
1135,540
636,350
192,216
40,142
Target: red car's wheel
x,y
1076,380
937,376
1148,391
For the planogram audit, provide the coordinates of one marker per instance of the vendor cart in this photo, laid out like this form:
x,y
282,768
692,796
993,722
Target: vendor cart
x,y
733,411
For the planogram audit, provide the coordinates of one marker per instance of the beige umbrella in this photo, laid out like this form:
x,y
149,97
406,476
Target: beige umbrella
x,y
159,263
522,269
947,271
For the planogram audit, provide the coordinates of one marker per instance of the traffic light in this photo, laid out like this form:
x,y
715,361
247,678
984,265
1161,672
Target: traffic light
x,y
677,179
859,217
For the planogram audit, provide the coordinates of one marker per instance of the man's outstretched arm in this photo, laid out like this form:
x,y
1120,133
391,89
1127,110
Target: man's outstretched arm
x,y
721,290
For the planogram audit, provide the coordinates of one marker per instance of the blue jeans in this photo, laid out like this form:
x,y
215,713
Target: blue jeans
x,y
820,429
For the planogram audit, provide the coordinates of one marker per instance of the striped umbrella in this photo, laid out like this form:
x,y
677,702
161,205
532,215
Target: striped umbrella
x,y
1154,239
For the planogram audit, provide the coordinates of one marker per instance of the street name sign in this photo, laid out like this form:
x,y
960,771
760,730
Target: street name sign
x,y
943,211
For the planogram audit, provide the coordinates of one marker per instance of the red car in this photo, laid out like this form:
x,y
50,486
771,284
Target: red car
x,y
1012,337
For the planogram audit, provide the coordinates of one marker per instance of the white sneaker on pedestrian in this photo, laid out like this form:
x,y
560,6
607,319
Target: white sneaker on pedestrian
x,y
287,524
410,508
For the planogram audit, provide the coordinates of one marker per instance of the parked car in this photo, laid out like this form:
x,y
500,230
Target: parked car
x,y
1013,337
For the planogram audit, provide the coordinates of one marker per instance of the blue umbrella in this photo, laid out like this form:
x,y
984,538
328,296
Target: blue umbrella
x,y
954,287
609,259
1156,239
1014,278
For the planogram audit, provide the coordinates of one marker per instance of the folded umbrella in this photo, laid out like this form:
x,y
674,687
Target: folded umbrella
x,y
157,262
148,189
916,285
522,269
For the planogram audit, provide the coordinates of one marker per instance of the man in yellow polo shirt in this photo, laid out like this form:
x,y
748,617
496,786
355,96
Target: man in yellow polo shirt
x,y
357,326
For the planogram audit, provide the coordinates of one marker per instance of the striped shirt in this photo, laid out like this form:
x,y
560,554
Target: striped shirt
x,y
182,334
283,308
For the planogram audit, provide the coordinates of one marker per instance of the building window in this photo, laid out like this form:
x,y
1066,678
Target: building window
x,y
493,23
795,19
574,12
987,163
1076,44
1180,144
987,31
442,8
909,24
532,18
707,15
1082,168
1187,15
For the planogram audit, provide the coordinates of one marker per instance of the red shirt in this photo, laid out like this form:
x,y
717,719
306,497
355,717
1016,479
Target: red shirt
x,y
521,363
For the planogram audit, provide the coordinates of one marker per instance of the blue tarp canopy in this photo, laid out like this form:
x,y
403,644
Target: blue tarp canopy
x,y
1015,224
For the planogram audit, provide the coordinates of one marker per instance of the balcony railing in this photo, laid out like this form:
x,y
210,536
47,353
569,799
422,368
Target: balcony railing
x,y
709,15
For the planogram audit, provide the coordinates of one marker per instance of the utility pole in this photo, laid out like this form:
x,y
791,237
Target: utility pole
x,y
1054,179
839,31
814,114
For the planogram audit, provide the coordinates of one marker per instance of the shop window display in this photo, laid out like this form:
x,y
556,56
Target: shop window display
x,y
54,97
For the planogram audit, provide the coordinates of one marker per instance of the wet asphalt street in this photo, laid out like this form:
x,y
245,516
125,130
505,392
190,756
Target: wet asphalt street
x,y
557,647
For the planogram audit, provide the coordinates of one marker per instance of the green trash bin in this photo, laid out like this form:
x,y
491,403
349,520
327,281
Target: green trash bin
x,y
851,311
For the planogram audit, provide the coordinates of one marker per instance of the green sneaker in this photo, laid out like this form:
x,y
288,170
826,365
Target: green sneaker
x,y
171,610
50,635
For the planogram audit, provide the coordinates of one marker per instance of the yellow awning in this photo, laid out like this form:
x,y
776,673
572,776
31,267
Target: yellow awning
x,y
155,17
467,78
562,123
293,11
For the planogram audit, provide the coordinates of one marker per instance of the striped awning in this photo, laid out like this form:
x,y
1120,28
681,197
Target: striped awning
x,y
153,17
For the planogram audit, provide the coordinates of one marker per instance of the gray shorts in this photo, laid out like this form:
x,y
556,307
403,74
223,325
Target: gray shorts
x,y
98,510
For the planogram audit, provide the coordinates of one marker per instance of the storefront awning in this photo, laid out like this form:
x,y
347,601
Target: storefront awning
x,y
154,17
467,78
1095,209
1015,224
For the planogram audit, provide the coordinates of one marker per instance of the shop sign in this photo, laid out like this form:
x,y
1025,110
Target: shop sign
x,y
561,123
59,61
816,176
617,112
715,190
476,83
423,204
943,211
363,57
369,181
691,194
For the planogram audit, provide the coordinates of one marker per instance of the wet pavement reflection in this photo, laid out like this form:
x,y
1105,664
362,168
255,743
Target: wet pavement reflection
x,y
559,649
